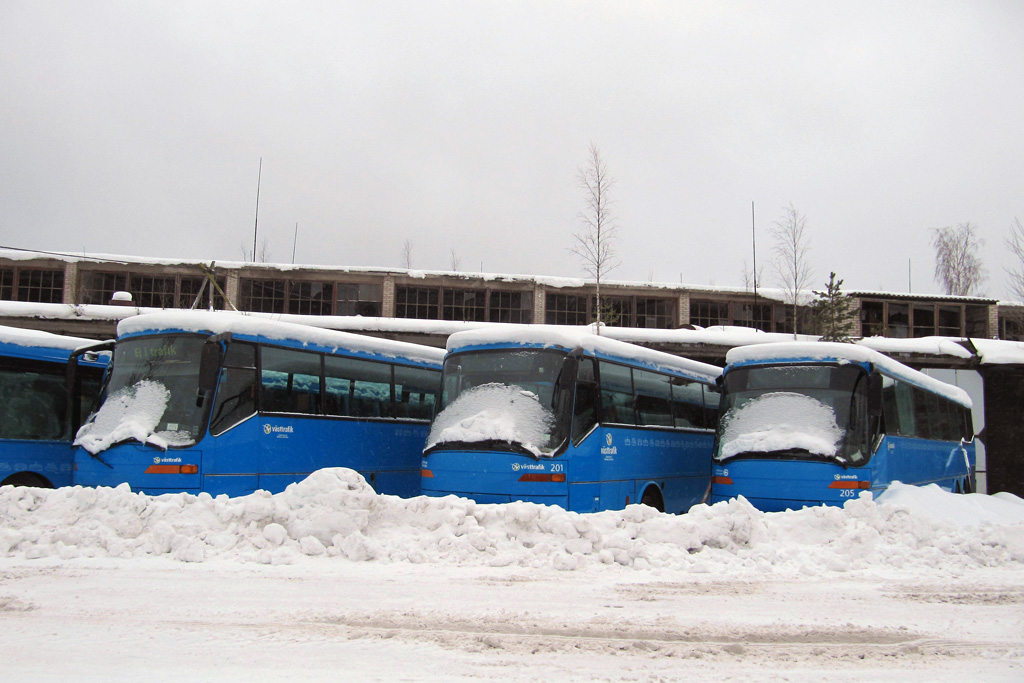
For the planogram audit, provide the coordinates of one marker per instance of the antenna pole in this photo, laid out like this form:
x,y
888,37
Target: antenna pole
x,y
294,242
753,245
256,227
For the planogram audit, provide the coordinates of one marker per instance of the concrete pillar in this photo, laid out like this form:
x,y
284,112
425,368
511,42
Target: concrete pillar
x,y
387,305
70,282
539,308
231,289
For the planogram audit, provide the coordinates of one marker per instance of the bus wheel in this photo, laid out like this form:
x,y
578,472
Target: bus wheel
x,y
652,498
26,479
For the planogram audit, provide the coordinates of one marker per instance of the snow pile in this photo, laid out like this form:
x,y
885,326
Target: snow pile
x,y
334,514
494,412
779,421
131,413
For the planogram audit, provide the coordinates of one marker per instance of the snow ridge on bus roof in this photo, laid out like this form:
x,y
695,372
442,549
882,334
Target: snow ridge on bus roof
x,y
215,322
853,353
26,337
568,338
938,346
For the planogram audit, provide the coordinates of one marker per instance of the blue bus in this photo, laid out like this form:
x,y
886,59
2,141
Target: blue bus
x,y
558,416
218,402
814,423
39,410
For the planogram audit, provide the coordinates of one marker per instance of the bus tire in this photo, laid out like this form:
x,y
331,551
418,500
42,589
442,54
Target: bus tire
x,y
27,479
652,498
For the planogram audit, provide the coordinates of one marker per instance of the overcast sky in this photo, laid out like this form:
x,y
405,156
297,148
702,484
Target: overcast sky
x,y
138,128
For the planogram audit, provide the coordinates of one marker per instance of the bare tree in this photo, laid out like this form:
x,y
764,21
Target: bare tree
x,y
407,254
752,280
791,264
593,243
1015,243
455,261
957,265
262,254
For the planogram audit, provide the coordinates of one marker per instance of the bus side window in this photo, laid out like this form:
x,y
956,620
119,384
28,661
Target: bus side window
x,y
585,408
953,424
291,380
925,414
688,403
653,398
967,422
358,388
416,392
617,394
906,423
236,392
34,403
890,409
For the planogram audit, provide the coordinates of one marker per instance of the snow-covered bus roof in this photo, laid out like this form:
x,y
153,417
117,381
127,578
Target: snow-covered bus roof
x,y
28,343
260,328
829,352
569,338
918,346
19,336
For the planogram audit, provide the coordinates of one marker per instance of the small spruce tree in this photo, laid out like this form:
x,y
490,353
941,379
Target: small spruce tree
x,y
832,311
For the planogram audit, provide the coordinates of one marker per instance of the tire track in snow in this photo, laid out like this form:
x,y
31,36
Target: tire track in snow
x,y
788,644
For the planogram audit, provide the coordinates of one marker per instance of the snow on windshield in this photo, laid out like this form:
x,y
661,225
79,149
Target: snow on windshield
x,y
494,412
780,421
131,413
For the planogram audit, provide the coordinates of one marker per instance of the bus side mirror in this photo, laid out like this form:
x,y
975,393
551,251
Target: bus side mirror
x,y
209,365
567,375
875,395
71,384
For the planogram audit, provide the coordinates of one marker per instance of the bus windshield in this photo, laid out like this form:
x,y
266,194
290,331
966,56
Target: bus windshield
x,y
506,396
795,411
150,396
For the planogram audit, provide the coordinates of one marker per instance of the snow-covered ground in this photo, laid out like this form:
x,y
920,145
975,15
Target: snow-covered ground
x,y
328,581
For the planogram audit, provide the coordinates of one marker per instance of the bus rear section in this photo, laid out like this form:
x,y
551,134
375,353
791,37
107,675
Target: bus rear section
x,y
495,476
40,406
806,424
778,484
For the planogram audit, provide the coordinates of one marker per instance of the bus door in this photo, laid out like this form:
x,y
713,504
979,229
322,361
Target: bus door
x,y
231,457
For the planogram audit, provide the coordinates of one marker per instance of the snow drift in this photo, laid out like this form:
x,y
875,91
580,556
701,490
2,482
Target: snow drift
x,y
333,515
